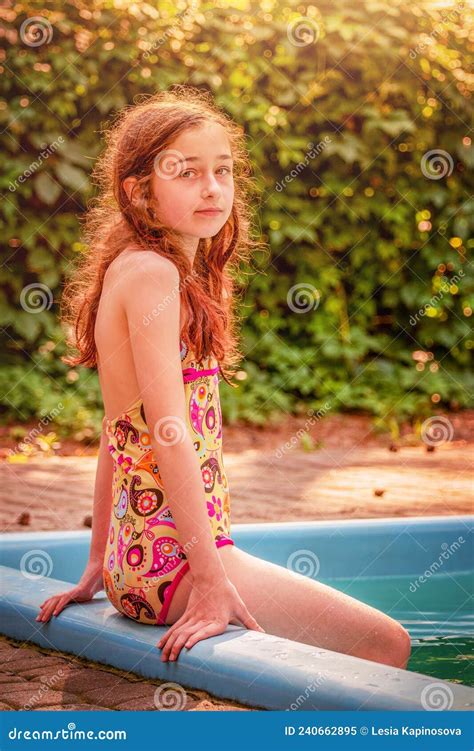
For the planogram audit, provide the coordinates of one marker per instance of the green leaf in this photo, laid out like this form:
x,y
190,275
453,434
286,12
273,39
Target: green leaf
x,y
28,325
396,123
76,152
349,147
71,177
466,154
46,188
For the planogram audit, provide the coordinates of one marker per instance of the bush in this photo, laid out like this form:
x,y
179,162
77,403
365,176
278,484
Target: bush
x,y
357,118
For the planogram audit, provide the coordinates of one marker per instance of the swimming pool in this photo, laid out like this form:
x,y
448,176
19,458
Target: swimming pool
x,y
417,570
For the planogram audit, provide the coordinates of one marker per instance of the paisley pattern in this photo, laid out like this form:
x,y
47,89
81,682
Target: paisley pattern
x,y
144,560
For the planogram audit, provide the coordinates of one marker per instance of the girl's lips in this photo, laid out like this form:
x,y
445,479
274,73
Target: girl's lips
x,y
210,212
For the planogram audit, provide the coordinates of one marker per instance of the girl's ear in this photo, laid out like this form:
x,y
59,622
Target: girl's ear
x,y
127,185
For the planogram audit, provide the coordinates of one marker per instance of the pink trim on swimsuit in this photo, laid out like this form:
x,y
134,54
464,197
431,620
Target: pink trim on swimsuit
x,y
190,374
161,618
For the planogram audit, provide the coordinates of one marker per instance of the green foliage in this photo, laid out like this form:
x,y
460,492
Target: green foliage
x,y
354,217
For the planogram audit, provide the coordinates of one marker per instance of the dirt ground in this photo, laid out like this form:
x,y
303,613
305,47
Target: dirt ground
x,y
352,472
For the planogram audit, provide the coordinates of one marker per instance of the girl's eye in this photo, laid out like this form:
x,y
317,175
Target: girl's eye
x,y
188,171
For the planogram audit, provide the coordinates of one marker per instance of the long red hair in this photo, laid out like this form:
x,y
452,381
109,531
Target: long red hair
x,y
112,222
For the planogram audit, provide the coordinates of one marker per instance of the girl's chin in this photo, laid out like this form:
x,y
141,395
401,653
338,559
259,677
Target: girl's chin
x,y
207,227
202,234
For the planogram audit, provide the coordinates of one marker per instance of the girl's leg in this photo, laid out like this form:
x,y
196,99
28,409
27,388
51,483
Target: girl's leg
x,y
293,606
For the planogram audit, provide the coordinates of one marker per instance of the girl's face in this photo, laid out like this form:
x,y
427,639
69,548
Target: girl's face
x,y
192,175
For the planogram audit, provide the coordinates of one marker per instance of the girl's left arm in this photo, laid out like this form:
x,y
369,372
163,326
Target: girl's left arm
x,y
91,580
102,502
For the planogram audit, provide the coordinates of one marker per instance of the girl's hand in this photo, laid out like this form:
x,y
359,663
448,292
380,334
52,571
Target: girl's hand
x,y
90,583
206,615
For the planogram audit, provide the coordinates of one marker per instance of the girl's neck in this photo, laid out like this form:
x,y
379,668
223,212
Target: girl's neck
x,y
189,245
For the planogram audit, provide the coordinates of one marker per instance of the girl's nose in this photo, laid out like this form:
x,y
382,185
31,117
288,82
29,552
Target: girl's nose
x,y
211,185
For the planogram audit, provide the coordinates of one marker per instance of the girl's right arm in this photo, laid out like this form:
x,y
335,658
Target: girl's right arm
x,y
152,306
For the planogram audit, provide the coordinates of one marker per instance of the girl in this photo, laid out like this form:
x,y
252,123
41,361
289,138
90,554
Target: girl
x,y
152,308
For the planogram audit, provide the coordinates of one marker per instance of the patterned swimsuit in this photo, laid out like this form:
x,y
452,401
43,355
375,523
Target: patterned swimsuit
x,y
144,560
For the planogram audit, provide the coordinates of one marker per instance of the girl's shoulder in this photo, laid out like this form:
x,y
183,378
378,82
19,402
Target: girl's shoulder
x,y
133,267
137,256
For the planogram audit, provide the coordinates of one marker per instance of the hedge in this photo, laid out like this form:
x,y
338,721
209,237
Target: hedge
x,y
357,118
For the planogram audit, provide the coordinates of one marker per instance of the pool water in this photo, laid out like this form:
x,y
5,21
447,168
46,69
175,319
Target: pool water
x,y
411,569
447,657
437,613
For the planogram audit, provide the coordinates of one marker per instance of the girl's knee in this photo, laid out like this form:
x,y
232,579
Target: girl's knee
x,y
394,646
403,649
